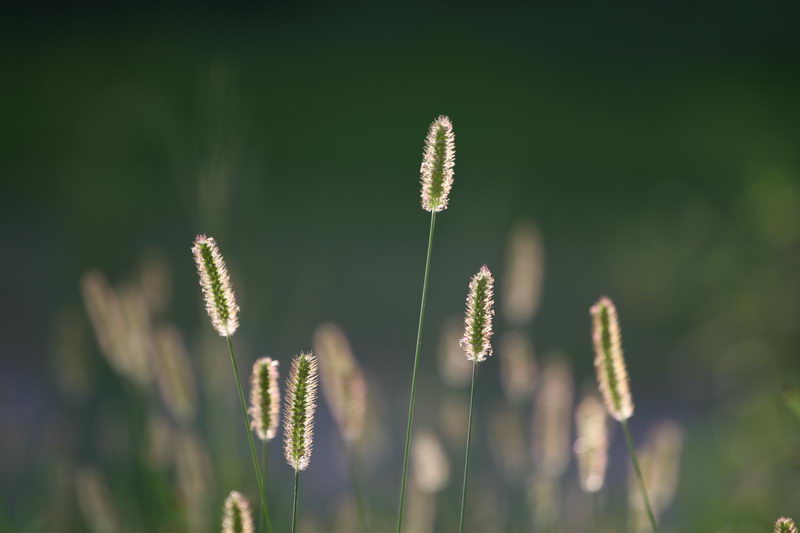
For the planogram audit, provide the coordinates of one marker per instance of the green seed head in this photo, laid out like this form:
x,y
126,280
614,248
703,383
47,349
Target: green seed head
x,y
591,446
237,517
264,398
301,402
438,160
216,284
612,377
478,320
343,383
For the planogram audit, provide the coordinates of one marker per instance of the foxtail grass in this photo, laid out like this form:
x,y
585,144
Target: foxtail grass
x,y
345,392
522,283
612,378
785,525
477,346
436,176
264,407
174,374
236,517
591,445
223,312
301,402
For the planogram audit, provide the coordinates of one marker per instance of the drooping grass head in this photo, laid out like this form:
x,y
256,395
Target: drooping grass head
x,y
438,160
264,398
216,284
478,318
612,377
301,402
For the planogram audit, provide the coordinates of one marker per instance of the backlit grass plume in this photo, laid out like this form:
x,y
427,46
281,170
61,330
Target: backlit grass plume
x,y
438,160
522,283
301,401
609,363
264,398
552,417
345,391
224,314
478,318
477,346
216,284
785,525
429,464
237,517
343,384
174,374
612,378
591,446
436,175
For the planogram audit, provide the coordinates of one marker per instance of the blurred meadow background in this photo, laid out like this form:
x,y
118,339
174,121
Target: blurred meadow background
x,y
648,152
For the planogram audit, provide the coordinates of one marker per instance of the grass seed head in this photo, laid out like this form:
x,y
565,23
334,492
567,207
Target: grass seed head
x,y
429,464
552,417
438,159
301,401
478,318
265,398
591,446
237,517
174,374
343,383
522,283
612,377
216,284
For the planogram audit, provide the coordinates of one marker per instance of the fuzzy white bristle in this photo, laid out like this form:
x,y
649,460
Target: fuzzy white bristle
x,y
438,160
264,398
237,517
478,318
216,284
612,377
301,402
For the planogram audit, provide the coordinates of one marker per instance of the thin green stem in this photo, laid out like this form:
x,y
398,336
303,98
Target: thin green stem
x,y
466,458
639,476
261,494
294,502
414,375
358,495
265,467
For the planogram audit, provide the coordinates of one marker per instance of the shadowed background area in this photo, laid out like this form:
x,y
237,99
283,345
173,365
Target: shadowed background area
x,y
654,148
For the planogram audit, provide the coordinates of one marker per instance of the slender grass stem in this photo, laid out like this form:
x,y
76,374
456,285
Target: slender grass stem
x,y
466,458
639,476
261,494
264,467
294,502
358,494
414,375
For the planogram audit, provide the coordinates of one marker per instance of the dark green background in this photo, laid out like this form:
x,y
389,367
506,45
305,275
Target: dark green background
x,y
655,145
